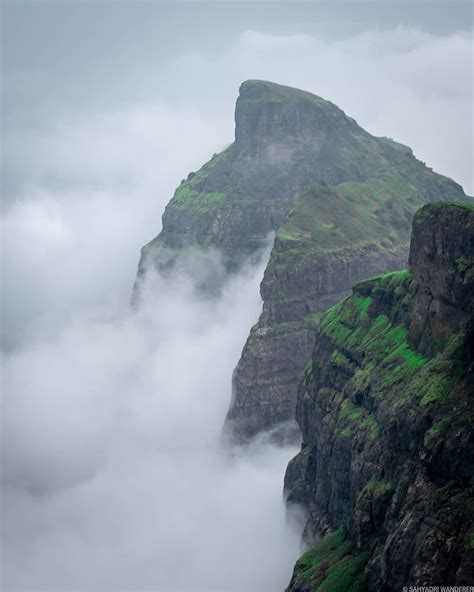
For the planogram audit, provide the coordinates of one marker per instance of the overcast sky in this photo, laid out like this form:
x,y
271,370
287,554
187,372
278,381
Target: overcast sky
x,y
102,54
66,60
111,470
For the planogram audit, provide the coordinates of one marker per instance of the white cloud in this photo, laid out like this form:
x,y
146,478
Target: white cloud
x,y
115,477
93,193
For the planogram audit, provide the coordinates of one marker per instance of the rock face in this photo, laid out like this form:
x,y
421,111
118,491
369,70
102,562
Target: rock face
x,y
340,201
386,410
337,233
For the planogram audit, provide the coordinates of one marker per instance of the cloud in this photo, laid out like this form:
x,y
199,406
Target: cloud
x,y
112,474
403,83
90,194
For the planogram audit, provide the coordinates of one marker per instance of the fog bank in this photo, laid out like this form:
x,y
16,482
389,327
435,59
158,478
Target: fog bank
x,y
114,475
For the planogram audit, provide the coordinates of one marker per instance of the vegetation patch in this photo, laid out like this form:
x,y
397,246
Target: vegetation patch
x,y
391,279
350,411
187,198
377,486
360,417
330,567
346,575
338,358
329,218
362,303
383,365
368,344
387,359
436,431
257,91
360,380
435,381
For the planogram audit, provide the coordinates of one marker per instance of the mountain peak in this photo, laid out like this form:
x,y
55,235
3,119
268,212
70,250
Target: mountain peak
x,y
264,90
274,123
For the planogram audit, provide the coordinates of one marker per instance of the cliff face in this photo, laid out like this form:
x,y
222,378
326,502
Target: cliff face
x,y
386,411
341,203
303,278
334,236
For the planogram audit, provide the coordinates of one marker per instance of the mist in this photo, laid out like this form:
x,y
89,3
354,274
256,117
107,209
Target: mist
x,y
113,477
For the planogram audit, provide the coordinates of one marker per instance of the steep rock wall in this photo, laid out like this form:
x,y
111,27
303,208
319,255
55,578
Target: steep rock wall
x,y
386,411
333,237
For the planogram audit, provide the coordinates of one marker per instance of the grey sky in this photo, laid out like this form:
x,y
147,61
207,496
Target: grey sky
x,y
96,52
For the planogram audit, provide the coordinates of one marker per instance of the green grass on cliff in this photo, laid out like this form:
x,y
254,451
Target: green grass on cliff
x,y
329,565
192,195
353,212
375,378
187,198
379,208
259,91
371,215
339,359
351,327
360,417
389,365
436,431
470,542
435,381
392,279
377,486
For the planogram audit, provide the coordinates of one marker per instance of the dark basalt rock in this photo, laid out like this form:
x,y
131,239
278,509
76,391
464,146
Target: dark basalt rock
x,y
266,378
386,412
445,239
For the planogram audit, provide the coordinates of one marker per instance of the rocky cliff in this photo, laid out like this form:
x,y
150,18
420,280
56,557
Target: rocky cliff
x,y
354,223
386,411
340,201
286,140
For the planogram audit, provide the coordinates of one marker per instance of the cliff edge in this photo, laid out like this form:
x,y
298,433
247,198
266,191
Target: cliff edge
x,y
386,411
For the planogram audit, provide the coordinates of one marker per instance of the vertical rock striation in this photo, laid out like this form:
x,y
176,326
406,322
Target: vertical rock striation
x,y
386,410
